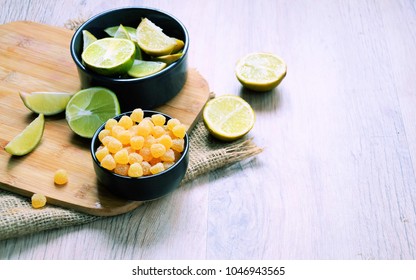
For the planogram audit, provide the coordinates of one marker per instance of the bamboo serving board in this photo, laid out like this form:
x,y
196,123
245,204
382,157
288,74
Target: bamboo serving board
x,y
36,57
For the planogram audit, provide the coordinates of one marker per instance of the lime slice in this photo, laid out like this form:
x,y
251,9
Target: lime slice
x,y
110,56
260,71
111,31
168,59
27,140
228,117
143,68
87,38
47,103
152,40
88,109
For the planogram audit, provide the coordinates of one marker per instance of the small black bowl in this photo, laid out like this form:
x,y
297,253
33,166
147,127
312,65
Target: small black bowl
x,y
144,188
147,92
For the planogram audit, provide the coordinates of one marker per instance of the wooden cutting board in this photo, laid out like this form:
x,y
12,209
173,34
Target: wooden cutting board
x,y
36,57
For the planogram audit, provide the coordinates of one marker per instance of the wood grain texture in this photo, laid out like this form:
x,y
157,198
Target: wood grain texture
x,y
37,54
337,177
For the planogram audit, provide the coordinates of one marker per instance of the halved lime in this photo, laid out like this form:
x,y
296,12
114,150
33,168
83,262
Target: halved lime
x,y
27,140
89,108
110,56
47,103
228,117
111,31
87,38
142,68
152,40
260,71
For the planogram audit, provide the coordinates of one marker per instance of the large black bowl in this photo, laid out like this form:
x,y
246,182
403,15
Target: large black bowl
x,y
147,92
143,188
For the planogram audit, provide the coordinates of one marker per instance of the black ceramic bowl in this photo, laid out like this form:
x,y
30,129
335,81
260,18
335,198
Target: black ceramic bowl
x,y
146,187
147,92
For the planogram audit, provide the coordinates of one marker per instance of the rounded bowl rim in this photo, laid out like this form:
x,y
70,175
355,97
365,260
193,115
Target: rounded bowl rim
x,y
164,71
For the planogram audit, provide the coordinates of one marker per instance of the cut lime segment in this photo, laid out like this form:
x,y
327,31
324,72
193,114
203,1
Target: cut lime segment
x,y
110,56
260,71
228,117
87,38
122,33
143,68
27,140
111,31
152,40
88,109
178,46
168,59
47,103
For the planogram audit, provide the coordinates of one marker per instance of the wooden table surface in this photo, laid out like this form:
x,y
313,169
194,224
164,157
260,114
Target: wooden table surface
x,y
337,176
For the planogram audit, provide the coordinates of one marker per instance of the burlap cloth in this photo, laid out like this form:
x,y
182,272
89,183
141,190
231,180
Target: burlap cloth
x,y
17,217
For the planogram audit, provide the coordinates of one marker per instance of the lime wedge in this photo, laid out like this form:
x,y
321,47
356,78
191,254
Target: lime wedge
x,y
228,117
152,40
168,59
111,31
88,109
27,140
47,103
143,68
87,38
260,71
122,33
110,56
178,46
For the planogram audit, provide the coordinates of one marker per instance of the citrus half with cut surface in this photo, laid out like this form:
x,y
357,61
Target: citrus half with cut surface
x,y
47,103
110,56
152,40
27,140
260,71
89,108
228,117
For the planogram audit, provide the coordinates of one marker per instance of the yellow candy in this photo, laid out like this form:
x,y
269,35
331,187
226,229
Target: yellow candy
x,y
110,123
103,133
172,123
101,153
121,169
165,140
135,170
60,177
108,162
114,146
179,130
137,142
137,115
38,200
135,157
157,168
126,122
122,156
158,119
157,150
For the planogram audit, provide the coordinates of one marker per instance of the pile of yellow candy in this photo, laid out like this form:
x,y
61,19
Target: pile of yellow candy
x,y
137,146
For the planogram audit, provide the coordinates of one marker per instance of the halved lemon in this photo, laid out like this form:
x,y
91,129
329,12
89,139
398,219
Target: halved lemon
x,y
260,71
228,117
